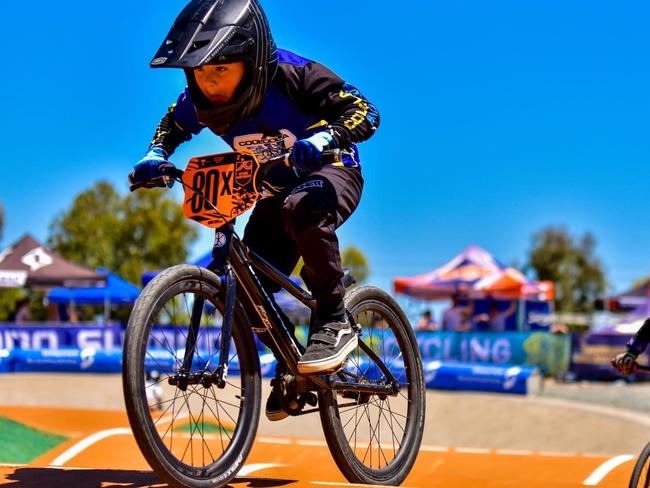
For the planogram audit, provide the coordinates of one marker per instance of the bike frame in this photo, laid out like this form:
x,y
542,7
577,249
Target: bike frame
x,y
239,269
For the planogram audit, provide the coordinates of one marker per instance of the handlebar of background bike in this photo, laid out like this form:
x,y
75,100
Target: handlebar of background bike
x,y
174,173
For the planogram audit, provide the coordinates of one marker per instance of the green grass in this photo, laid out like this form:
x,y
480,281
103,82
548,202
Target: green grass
x,y
20,444
207,428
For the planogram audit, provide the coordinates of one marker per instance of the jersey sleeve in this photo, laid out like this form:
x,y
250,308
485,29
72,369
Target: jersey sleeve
x,y
178,125
350,117
641,339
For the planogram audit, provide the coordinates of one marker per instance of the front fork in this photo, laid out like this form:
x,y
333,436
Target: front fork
x,y
226,328
221,266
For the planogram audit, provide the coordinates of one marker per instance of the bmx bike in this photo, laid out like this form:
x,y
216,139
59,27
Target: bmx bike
x,y
191,369
641,472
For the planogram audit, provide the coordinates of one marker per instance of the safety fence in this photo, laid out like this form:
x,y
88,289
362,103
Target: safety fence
x,y
505,362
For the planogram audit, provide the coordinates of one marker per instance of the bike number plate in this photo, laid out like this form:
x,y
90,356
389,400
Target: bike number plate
x,y
220,187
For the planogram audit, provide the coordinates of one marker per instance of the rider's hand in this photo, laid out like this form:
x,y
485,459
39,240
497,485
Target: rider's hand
x,y
625,363
148,170
306,153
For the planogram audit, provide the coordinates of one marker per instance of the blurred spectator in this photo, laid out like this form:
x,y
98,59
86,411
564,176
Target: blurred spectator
x,y
378,322
154,390
497,319
22,314
73,316
53,312
426,323
457,318
559,329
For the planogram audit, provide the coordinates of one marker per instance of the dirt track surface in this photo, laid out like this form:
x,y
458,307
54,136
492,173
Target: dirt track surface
x,y
101,452
453,419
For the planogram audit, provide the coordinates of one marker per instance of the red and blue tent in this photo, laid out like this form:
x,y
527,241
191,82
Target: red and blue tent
x,y
473,273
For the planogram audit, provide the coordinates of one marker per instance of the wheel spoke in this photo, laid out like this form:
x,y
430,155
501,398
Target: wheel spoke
x,y
196,424
375,427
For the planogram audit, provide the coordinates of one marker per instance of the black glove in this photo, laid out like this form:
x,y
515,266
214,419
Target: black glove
x,y
148,171
625,363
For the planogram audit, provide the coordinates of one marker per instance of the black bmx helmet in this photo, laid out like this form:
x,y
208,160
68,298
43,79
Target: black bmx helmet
x,y
216,32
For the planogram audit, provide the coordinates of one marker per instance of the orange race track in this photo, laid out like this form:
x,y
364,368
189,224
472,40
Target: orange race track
x,y
101,452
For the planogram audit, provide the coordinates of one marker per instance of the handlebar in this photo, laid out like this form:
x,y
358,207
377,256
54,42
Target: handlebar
x,y
272,163
173,173
328,156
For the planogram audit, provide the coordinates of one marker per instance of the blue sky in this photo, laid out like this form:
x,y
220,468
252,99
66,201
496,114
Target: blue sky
x,y
498,118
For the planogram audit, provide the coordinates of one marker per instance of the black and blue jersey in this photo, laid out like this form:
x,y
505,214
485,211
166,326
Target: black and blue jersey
x,y
305,97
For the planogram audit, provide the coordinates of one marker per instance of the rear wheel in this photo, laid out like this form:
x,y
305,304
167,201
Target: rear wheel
x,y
374,439
641,473
191,432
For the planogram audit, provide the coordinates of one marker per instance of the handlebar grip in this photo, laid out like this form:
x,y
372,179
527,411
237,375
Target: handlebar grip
x,y
171,171
168,171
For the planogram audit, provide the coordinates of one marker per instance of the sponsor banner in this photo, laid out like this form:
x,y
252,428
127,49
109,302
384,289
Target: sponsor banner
x,y
88,360
33,337
101,338
438,374
6,365
54,337
551,353
91,360
482,377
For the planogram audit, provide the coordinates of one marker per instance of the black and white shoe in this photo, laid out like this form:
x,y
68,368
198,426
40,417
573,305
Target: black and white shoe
x,y
274,410
328,347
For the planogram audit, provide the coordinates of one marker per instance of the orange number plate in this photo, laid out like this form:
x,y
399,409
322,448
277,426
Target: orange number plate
x,y
220,187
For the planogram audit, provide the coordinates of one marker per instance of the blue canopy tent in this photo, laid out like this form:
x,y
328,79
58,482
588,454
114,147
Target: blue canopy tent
x,y
117,291
287,302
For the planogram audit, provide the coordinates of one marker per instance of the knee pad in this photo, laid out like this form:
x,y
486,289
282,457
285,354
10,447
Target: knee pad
x,y
309,206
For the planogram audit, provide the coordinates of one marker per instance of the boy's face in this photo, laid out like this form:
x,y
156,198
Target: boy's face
x,y
218,82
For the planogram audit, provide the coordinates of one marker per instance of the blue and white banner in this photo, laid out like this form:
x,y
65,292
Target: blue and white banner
x,y
87,360
53,337
37,346
551,353
101,338
481,377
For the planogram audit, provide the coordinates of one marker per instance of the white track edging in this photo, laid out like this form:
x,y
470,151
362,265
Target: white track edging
x,y
604,469
86,443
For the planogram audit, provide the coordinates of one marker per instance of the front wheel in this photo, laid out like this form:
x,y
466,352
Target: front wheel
x,y
374,439
641,473
191,432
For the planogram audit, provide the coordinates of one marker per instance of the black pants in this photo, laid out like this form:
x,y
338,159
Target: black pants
x,y
302,222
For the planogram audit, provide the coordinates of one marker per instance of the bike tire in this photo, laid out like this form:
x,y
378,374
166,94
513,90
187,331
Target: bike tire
x,y
157,451
346,453
641,472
